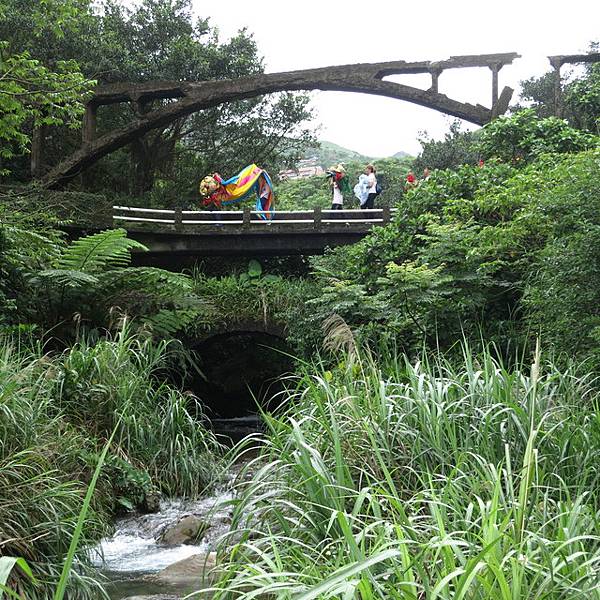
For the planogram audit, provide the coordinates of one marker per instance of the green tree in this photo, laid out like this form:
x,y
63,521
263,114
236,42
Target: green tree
x,y
525,136
303,194
158,40
457,148
562,294
583,98
34,94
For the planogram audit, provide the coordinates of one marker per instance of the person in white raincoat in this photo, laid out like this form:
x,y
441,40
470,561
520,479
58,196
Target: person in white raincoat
x,y
361,189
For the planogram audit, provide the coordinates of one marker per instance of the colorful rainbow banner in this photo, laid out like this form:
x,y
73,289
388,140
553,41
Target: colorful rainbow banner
x,y
250,181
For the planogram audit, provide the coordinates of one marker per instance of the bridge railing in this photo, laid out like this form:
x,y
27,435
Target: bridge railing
x,y
248,218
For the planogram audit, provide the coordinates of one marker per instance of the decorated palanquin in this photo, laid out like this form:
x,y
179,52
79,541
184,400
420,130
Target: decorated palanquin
x,y
250,182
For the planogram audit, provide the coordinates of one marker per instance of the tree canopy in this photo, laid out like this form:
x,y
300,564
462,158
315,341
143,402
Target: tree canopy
x,y
154,39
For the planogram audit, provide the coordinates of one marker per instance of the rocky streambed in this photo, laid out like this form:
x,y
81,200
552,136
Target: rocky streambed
x,y
165,555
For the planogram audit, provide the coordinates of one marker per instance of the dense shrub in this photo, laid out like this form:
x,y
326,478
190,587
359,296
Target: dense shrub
x,y
466,247
456,149
524,136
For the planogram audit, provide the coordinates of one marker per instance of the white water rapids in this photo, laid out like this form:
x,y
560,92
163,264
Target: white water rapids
x,y
133,547
133,553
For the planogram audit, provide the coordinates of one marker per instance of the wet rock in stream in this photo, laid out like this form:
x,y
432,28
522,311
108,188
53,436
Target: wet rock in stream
x,y
151,502
189,570
188,530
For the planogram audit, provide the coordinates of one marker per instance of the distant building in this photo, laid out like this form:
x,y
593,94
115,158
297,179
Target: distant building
x,y
307,167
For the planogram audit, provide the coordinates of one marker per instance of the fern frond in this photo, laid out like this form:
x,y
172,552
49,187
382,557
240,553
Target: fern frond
x,y
158,281
18,235
156,285
166,323
65,278
97,252
163,301
25,242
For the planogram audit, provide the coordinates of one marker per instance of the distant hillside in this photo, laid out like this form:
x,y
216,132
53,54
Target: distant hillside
x,y
329,153
402,154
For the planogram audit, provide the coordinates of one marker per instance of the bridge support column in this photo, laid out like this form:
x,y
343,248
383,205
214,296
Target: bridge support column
x,y
387,213
557,64
435,75
88,135
317,217
178,218
495,69
37,151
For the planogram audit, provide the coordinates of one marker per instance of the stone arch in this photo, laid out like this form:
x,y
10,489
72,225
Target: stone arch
x,y
242,368
268,327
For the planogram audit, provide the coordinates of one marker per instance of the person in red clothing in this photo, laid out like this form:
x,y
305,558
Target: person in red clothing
x,y
411,181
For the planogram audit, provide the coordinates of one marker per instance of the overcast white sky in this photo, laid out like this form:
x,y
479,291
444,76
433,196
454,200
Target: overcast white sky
x,y
314,33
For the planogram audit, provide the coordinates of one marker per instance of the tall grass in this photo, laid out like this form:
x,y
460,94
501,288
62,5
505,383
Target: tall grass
x,y
424,481
56,414
123,384
42,475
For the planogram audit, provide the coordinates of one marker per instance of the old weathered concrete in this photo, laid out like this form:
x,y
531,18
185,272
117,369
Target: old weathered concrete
x,y
557,62
271,243
367,78
170,249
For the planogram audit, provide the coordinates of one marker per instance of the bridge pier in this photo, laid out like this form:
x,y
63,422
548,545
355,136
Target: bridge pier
x,y
435,75
557,62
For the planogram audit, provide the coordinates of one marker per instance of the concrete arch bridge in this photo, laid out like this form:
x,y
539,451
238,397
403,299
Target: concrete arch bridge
x,y
192,96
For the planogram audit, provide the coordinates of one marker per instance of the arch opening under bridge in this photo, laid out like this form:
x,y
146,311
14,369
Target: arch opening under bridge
x,y
243,371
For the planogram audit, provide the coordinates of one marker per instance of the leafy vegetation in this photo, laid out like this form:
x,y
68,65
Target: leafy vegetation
x,y
56,414
31,92
393,479
422,457
88,285
456,149
472,252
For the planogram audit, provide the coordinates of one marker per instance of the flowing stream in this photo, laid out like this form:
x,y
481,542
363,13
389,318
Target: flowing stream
x,y
131,557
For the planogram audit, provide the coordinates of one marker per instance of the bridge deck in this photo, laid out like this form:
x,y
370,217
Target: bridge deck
x,y
246,232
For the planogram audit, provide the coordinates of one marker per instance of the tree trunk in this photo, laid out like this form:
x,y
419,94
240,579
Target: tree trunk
x,y
143,168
